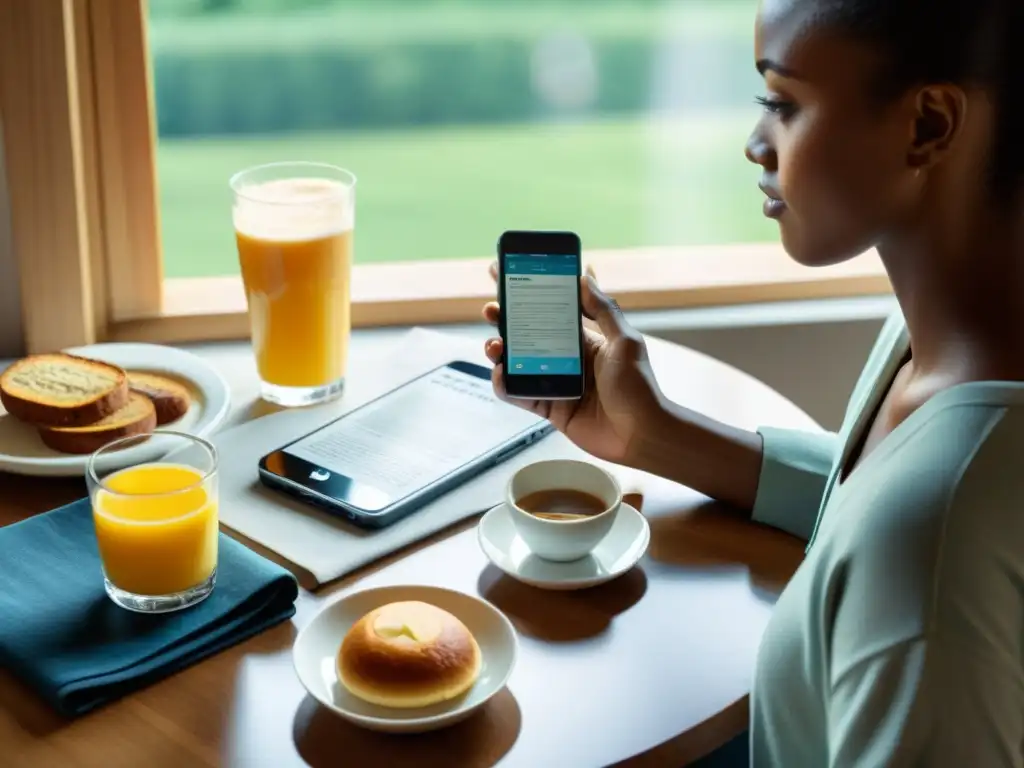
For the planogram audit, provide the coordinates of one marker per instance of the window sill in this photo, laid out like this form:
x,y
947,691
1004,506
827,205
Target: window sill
x,y
441,292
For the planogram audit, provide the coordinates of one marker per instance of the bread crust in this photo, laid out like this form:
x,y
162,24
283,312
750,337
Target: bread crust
x,y
171,399
39,412
405,673
136,418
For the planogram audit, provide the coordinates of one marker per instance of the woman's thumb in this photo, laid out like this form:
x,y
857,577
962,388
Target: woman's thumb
x,y
598,306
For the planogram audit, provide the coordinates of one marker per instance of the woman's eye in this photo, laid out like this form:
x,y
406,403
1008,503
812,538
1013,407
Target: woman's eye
x,y
776,106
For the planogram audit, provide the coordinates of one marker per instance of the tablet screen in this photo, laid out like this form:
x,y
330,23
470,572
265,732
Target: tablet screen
x,y
417,434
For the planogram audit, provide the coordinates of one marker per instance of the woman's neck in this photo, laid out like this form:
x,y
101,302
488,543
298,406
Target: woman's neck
x,y
961,291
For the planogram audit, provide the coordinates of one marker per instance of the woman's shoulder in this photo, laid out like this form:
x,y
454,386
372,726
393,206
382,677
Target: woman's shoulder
x,y
960,453
987,492
949,492
931,540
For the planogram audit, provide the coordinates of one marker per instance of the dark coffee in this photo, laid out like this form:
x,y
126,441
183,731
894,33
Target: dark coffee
x,y
561,504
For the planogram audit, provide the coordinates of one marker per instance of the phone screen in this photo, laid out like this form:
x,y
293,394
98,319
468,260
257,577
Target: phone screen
x,y
406,440
542,315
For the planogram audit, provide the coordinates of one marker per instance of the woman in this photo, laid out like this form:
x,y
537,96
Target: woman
x,y
894,124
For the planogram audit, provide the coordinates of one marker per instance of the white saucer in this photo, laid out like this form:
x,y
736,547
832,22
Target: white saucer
x,y
23,452
316,651
619,551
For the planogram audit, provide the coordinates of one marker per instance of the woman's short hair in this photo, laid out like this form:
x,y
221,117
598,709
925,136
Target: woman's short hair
x,y
977,43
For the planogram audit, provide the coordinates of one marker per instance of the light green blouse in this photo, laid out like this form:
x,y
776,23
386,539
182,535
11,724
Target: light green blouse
x,y
900,640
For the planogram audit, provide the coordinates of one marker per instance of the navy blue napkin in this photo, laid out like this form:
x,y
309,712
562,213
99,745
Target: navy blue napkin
x,y
62,635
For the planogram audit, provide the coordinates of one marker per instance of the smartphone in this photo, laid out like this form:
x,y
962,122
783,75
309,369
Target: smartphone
x,y
541,317
393,455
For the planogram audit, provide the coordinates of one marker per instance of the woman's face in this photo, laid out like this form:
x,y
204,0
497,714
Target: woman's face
x,y
835,163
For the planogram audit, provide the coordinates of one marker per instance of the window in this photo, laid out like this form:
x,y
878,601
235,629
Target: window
x,y
623,120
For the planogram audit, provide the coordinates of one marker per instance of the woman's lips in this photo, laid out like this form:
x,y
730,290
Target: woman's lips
x,y
774,206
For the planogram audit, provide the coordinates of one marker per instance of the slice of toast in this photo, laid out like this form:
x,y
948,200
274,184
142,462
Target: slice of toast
x,y
136,418
61,390
170,398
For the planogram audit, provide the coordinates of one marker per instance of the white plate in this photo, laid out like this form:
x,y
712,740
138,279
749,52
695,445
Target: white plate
x,y
619,551
22,451
316,651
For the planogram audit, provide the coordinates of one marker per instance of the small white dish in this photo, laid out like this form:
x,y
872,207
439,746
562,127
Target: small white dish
x,y
617,553
316,649
22,452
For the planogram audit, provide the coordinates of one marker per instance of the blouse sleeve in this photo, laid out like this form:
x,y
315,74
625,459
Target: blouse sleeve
x,y
794,471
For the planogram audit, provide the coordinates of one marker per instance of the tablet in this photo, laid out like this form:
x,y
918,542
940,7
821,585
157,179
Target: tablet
x,y
397,453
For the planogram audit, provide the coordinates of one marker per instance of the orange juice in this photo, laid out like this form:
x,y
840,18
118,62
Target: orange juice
x,y
294,241
157,528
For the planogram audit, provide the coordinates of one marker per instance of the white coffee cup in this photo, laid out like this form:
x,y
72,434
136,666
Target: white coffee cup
x,y
563,540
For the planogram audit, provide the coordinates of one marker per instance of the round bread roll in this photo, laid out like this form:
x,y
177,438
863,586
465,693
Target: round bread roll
x,y
408,654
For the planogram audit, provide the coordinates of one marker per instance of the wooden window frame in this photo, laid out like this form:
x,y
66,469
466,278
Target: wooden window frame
x,y
80,142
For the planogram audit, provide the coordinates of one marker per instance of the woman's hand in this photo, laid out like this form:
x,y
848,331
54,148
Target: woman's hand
x,y
624,418
620,393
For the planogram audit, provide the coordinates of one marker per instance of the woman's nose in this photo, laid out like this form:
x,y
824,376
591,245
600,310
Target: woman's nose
x,y
759,152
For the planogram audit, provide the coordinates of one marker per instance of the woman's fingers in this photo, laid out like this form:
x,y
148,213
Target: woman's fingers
x,y
592,336
498,381
604,310
493,348
492,312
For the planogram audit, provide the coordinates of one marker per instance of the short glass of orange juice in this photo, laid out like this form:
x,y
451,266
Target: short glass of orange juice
x,y
157,523
294,226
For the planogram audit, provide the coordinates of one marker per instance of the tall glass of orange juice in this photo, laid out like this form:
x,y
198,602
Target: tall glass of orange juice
x,y
294,225
156,522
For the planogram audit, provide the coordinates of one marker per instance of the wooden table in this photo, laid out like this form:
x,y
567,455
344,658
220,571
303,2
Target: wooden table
x,y
651,669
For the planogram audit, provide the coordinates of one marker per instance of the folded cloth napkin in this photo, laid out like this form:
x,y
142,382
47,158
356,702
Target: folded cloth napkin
x,y
62,635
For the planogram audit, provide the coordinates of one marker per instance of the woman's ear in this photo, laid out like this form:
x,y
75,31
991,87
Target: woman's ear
x,y
941,111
